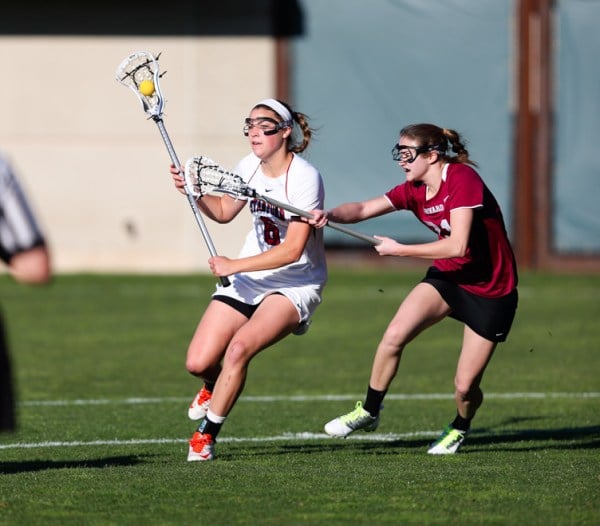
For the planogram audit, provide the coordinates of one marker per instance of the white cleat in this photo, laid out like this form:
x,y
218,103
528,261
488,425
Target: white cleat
x,y
342,426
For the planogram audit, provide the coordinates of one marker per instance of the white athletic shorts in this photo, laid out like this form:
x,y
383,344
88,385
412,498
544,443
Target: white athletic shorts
x,y
305,298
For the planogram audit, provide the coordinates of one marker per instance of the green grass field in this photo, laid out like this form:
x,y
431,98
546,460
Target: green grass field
x,y
103,430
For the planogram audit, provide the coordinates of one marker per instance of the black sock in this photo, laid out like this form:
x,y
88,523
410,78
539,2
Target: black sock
x,y
460,423
209,427
374,400
209,386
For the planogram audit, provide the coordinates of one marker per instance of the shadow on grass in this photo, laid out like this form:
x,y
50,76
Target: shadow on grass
x,y
574,438
42,465
532,439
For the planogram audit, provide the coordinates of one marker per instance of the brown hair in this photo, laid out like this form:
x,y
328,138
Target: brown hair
x,y
438,139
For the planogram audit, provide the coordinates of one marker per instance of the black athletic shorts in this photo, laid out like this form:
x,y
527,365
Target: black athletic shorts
x,y
243,308
489,317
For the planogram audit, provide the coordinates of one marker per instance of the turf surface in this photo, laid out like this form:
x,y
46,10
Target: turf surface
x,y
103,394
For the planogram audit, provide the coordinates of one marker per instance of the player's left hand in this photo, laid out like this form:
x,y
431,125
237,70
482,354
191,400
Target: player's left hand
x,y
388,247
221,266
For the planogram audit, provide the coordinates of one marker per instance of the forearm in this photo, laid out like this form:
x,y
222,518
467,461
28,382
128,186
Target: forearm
x,y
453,246
211,207
219,208
441,249
276,257
359,211
346,213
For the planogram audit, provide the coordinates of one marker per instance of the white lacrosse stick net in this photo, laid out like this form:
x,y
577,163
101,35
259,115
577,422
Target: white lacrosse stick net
x,y
137,68
203,176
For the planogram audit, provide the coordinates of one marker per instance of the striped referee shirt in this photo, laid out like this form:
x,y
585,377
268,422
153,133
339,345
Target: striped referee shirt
x,y
19,231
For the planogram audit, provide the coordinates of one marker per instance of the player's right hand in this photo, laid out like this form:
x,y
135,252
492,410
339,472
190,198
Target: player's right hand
x,y
177,175
319,218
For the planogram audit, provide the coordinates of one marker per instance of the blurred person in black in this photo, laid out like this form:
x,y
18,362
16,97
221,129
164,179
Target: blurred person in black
x,y
24,251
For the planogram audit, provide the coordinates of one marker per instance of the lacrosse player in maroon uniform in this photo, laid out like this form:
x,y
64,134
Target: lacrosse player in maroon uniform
x,y
473,278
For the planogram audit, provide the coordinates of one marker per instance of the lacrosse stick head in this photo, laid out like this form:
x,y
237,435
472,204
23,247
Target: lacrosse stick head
x,y
140,73
204,176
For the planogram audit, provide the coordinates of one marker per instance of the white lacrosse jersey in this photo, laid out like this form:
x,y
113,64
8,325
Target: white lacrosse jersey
x,y
302,280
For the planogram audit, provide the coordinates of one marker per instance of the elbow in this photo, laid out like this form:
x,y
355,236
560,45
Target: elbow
x,y
293,255
294,258
221,218
455,249
460,251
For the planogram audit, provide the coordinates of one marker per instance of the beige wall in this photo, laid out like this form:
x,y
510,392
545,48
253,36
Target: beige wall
x,y
94,167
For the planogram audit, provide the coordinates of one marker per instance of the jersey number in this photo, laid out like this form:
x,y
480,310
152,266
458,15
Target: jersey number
x,y
443,230
271,232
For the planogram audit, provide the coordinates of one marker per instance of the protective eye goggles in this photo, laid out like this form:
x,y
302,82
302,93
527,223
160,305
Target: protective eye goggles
x,y
266,125
409,154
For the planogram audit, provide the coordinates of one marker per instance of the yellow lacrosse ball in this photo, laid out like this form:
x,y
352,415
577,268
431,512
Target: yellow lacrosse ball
x,y
147,88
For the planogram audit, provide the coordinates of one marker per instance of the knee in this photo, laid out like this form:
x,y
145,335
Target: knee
x,y
462,387
237,356
467,389
195,366
199,364
393,341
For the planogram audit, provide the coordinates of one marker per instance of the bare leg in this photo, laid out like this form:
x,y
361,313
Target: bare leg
x,y
422,308
274,319
216,328
474,357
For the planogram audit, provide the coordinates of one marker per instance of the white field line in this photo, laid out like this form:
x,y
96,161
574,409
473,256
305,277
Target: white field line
x,y
305,436
303,398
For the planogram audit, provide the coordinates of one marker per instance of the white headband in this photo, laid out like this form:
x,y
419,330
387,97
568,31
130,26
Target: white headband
x,y
278,108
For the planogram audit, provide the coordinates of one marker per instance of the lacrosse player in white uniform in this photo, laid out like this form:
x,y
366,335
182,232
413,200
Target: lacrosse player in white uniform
x,y
276,281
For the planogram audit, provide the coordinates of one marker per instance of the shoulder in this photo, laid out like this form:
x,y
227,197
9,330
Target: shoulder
x,y
464,186
301,165
406,189
404,195
303,172
459,172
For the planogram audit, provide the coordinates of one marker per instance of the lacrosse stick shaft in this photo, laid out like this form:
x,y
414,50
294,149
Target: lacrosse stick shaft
x,y
308,215
192,201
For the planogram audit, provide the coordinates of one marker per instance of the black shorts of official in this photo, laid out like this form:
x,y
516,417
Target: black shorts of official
x,y
7,399
491,318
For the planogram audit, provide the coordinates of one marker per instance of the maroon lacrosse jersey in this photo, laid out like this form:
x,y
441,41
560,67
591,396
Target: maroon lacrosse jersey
x,y
488,268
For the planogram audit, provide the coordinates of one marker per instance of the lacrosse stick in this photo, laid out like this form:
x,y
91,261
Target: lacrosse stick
x,y
205,176
140,73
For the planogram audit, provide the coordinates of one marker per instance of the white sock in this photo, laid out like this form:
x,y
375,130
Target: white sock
x,y
215,418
